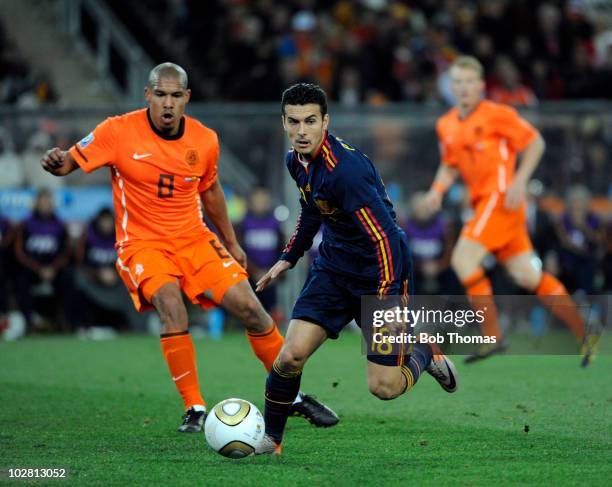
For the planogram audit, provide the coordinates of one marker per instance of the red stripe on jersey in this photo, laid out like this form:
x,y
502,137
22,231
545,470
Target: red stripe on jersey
x,y
375,240
385,240
331,153
289,245
328,161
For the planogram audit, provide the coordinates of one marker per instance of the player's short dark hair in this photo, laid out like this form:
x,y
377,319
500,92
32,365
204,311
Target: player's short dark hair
x,y
304,94
167,70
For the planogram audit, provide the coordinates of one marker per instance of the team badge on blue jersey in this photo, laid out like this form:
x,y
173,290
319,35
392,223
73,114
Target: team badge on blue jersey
x,y
325,207
85,141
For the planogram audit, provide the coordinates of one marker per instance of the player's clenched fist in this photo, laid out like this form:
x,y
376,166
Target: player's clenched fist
x,y
58,162
53,159
275,271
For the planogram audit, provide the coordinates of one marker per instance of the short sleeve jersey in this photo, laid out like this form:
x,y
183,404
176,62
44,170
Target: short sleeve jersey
x,y
483,146
157,179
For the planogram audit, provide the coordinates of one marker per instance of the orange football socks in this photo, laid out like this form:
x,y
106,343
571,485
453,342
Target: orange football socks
x,y
180,355
266,345
554,295
479,290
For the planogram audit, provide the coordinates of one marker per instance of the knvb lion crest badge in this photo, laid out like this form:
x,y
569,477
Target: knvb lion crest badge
x,y
191,157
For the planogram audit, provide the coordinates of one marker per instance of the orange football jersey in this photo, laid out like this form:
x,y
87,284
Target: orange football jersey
x,y
157,179
484,145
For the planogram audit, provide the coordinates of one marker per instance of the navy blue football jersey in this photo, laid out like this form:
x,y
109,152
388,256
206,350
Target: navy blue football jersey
x,y
342,190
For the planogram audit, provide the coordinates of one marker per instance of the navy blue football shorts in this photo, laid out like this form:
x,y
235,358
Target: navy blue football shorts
x,y
333,300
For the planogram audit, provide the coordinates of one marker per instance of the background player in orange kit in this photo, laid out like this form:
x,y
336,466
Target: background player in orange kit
x,y
164,167
479,141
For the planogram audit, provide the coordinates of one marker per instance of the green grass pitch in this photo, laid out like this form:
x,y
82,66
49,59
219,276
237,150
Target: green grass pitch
x,y
108,412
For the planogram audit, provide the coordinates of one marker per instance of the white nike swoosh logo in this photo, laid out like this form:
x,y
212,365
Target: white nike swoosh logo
x,y
227,264
141,156
179,377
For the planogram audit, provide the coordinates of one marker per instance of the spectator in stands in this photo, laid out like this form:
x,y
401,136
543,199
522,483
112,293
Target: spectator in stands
x,y
102,298
546,80
580,76
6,237
597,166
484,49
494,21
37,91
13,75
302,51
581,236
522,53
42,250
11,170
602,42
431,241
549,40
30,157
348,90
262,240
541,229
509,89
607,267
252,72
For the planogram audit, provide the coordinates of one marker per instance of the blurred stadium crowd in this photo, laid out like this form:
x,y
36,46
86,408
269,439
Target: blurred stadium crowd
x,y
60,276
376,50
369,51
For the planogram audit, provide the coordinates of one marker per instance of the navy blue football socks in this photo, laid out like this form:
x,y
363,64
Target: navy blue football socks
x,y
281,389
417,362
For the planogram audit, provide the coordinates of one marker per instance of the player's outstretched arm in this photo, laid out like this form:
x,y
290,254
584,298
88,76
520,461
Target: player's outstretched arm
x,y
274,273
58,162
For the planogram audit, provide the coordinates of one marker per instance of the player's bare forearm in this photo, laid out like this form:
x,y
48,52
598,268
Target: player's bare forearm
x,y
274,273
58,162
515,195
530,159
444,178
216,209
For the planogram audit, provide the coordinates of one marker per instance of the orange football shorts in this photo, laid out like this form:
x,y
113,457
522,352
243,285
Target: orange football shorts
x,y
501,231
202,267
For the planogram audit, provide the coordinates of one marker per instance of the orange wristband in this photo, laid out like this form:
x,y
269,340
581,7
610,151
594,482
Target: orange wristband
x,y
438,187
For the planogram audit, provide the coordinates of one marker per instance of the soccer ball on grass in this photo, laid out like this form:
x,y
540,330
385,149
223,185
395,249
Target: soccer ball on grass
x,y
234,428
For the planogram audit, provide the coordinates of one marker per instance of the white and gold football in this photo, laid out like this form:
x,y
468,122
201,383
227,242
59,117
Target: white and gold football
x,y
234,428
